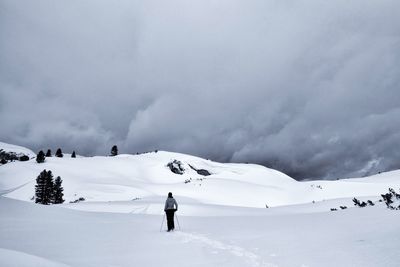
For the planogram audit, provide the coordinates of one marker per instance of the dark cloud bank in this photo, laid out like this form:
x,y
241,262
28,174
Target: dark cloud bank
x,y
311,88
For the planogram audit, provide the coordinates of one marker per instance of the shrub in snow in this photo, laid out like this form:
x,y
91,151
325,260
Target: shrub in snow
x,y
392,199
24,158
359,203
59,153
48,153
114,150
176,167
73,155
11,156
316,186
78,200
40,157
333,209
5,156
2,156
343,207
387,198
369,202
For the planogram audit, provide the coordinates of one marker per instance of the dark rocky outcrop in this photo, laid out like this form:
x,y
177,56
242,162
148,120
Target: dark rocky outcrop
x,y
176,167
203,172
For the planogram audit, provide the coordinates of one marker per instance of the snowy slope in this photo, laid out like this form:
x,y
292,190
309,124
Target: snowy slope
x,y
19,150
126,177
146,176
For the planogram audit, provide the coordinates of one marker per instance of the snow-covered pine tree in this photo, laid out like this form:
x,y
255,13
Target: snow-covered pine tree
x,y
73,155
114,150
48,153
58,191
40,157
59,153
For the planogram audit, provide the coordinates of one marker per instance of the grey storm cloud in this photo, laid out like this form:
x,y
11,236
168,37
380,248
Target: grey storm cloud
x,y
311,88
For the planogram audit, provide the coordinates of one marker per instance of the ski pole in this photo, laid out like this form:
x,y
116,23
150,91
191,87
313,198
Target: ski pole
x,y
176,216
162,223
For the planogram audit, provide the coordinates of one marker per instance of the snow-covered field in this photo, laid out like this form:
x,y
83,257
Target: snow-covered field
x,y
223,217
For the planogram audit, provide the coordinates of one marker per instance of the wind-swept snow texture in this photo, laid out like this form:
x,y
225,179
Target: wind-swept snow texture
x,y
223,217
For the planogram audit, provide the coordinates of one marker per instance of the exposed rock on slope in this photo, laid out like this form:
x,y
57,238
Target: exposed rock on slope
x,y
203,172
176,167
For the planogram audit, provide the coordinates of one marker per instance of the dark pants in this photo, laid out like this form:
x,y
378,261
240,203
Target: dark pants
x,y
170,219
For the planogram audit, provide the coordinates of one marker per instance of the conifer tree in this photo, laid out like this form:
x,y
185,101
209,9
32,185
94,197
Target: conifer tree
x,y
114,150
58,191
48,153
40,157
73,155
50,187
59,153
40,187
44,188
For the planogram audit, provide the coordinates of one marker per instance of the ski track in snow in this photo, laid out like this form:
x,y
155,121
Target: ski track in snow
x,y
252,258
7,191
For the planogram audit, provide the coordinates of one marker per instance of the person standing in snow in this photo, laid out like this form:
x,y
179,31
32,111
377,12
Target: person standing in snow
x,y
170,207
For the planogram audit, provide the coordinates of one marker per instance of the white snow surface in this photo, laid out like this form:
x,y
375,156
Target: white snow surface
x,y
297,235
222,217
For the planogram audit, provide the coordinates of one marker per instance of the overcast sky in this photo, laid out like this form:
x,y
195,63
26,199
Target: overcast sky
x,y
311,88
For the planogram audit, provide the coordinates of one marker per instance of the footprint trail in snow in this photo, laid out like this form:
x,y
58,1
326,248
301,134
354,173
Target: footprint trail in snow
x,y
250,257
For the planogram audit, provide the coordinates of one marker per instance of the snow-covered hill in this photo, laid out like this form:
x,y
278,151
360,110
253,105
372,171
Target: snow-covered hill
x,y
147,177
17,149
222,217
